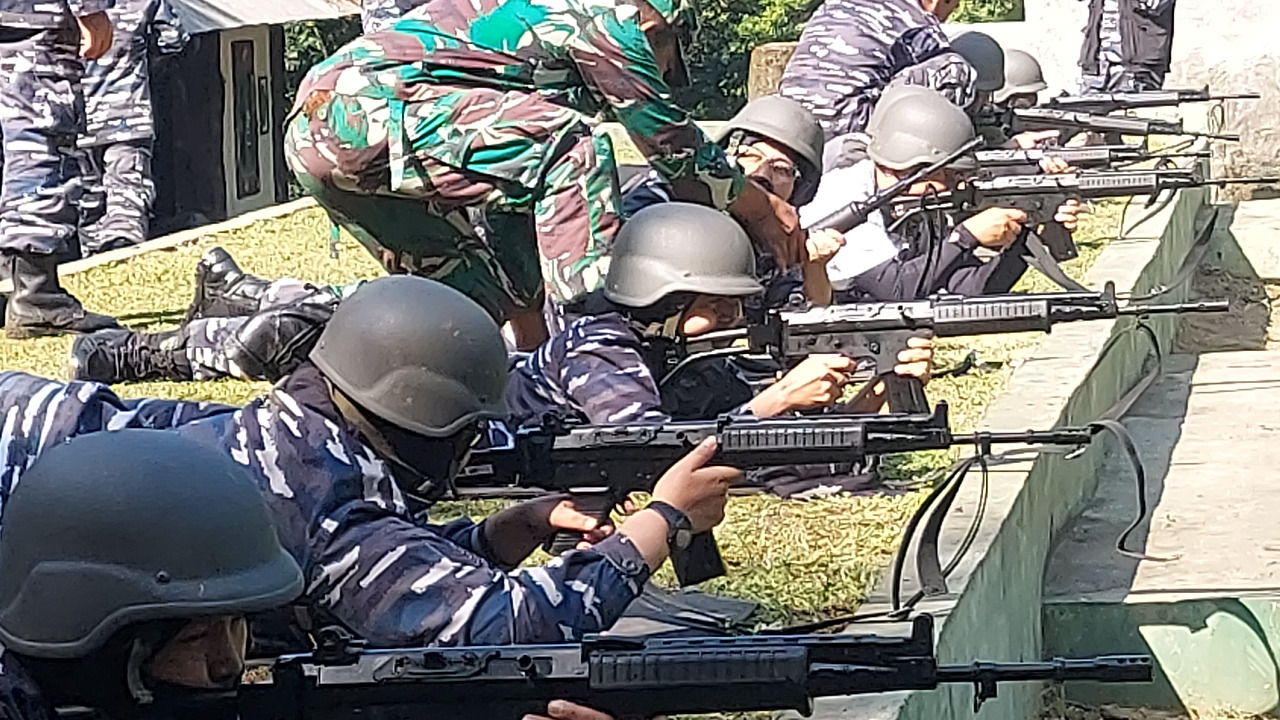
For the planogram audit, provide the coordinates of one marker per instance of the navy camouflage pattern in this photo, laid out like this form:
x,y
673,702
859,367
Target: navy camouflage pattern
x,y
844,59
369,564
118,192
47,14
20,697
41,114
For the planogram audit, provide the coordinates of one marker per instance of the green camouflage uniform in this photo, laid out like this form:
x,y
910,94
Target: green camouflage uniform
x,y
458,144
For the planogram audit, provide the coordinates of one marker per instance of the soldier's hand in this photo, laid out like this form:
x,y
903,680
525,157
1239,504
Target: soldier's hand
x,y
697,491
96,34
565,710
1068,215
816,382
1054,165
1032,139
917,360
514,532
823,245
772,224
996,228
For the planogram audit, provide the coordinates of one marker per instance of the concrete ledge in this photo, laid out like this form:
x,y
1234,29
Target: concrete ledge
x,y
993,609
178,239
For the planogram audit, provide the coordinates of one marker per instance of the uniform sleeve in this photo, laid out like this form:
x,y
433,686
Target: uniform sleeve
x,y
168,35
836,72
611,383
396,583
82,8
909,279
651,191
617,64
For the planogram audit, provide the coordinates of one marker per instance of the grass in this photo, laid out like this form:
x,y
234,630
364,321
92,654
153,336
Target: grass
x,y
799,560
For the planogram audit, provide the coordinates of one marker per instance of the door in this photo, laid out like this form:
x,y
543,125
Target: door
x,y
248,132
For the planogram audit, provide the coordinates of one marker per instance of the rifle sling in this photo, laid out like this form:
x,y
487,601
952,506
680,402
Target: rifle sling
x,y
1038,257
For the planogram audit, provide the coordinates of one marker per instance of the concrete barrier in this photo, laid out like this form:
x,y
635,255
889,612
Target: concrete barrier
x,y
993,608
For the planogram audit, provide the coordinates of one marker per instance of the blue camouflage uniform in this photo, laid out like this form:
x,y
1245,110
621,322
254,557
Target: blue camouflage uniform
x,y
20,697
596,370
367,563
844,59
41,113
118,190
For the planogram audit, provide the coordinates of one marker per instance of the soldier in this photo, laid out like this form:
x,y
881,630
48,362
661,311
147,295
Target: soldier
x,y
380,410
1127,45
118,191
129,562
1023,81
678,271
913,127
41,113
778,144
471,115
845,56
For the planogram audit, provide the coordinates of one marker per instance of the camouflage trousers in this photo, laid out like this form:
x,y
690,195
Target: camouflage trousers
x,y
115,210
41,114
506,245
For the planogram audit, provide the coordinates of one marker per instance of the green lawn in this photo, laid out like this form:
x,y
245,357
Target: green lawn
x,y
798,559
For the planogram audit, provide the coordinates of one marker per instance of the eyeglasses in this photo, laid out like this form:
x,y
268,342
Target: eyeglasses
x,y
777,167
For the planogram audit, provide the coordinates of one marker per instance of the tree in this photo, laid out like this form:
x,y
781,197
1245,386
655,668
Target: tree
x,y
720,55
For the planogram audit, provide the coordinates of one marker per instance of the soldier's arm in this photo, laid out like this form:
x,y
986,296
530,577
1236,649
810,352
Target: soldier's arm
x,y
83,8
397,583
607,377
618,65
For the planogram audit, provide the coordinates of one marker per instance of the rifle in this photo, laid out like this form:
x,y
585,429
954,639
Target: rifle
x,y
1035,119
1094,157
1040,195
874,333
601,464
635,677
1103,103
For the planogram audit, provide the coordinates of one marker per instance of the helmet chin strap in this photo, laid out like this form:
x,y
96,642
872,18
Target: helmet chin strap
x,y
140,650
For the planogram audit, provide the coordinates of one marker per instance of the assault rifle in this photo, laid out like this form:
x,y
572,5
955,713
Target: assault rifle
x,y
1035,119
874,333
1040,195
601,464
1092,157
1103,103
638,677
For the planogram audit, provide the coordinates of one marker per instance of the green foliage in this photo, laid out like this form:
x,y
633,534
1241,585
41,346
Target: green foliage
x,y
307,43
720,56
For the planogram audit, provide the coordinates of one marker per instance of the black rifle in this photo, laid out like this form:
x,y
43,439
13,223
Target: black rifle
x,y
1103,103
874,333
1039,196
1035,119
636,677
1093,157
601,464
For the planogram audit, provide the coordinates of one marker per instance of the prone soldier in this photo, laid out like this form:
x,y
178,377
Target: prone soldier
x,y
41,113
489,178
105,602
380,411
115,210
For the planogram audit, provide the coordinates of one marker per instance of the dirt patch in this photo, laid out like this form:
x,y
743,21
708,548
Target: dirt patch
x,y
1244,327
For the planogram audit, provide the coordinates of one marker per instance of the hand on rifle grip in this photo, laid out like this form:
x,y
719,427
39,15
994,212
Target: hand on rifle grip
x,y
596,505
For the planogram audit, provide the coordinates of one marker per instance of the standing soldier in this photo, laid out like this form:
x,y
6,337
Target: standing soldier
x,y
41,113
118,190
1127,45
458,145
845,56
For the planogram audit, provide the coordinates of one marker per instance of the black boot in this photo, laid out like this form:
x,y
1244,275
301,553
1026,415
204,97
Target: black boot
x,y
113,356
274,342
223,289
39,306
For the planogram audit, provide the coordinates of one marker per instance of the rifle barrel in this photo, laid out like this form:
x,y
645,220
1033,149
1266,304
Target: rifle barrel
x,y
1200,306
1058,436
1106,668
1262,180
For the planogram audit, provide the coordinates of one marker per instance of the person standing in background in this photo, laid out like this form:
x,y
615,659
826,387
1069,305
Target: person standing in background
x,y
115,210
1127,45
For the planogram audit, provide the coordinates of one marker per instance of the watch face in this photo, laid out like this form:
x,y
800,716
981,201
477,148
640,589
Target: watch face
x,y
683,538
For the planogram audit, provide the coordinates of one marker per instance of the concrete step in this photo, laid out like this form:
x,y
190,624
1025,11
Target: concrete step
x,y
1206,602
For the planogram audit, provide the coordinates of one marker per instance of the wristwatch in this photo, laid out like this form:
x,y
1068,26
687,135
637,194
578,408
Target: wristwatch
x,y
679,529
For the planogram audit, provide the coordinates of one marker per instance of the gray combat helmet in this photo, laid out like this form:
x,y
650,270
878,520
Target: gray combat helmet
x,y
113,529
913,125
417,354
1022,76
789,124
985,55
676,247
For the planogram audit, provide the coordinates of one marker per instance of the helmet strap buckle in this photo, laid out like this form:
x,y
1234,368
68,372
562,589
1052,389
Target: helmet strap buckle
x,y
139,651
